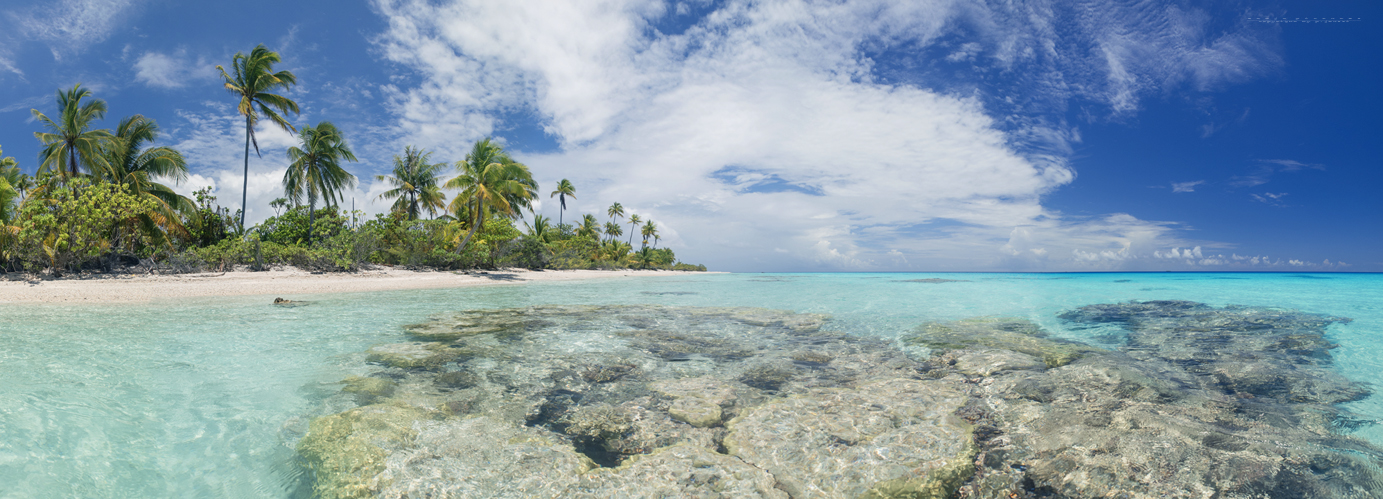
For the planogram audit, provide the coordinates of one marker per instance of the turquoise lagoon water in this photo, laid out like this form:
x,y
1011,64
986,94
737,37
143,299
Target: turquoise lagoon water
x,y
194,397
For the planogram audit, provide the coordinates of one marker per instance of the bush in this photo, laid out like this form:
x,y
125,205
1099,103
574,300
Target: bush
x,y
77,221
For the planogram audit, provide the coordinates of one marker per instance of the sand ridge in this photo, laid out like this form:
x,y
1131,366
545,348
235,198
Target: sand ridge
x,y
286,281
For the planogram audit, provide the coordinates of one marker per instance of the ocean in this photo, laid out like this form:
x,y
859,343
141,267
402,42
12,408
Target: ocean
x,y
211,397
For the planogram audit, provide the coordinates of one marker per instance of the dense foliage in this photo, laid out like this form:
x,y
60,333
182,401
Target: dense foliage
x,y
100,202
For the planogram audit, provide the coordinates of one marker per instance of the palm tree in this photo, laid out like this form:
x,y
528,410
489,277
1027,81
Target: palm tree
x,y
253,81
10,190
316,169
644,257
589,227
564,189
415,184
131,165
72,141
613,230
491,182
616,210
649,230
278,204
541,229
633,226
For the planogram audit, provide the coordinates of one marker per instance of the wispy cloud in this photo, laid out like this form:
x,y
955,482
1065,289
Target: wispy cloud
x,y
175,70
1274,199
762,133
1186,186
72,25
1267,168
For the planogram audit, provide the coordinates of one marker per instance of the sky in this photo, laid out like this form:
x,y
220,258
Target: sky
x,y
795,135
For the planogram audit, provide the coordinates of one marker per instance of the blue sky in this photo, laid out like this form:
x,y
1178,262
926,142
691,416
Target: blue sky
x,y
794,135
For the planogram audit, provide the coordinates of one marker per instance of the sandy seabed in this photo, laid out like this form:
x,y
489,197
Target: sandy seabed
x,y
279,281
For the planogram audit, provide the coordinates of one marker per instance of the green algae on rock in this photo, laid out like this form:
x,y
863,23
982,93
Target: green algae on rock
x,y
410,355
367,389
346,451
1004,333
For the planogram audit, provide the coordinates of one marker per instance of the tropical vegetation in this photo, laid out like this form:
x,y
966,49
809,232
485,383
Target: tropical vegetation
x,y
104,200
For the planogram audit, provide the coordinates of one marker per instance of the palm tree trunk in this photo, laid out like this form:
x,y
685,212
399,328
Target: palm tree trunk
x,y
245,188
479,219
631,235
311,217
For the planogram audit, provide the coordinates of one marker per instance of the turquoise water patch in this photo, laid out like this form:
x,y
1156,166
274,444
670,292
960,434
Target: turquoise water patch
x,y
202,398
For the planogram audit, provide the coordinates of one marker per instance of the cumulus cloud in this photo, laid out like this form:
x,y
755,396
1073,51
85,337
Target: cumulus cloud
x,y
1186,186
765,126
175,70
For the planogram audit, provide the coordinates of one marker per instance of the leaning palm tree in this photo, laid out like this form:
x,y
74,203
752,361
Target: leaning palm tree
x,y
316,170
633,226
254,78
649,230
71,144
564,189
490,182
132,165
613,230
415,184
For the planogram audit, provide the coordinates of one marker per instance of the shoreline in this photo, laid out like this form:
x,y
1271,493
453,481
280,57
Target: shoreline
x,y
109,289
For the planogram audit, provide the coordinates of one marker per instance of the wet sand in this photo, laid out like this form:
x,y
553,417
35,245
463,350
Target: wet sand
x,y
285,281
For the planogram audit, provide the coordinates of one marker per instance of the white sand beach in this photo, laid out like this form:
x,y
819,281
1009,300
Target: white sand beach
x,y
280,281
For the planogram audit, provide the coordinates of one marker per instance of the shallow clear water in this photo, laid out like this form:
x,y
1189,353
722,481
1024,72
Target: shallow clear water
x,y
190,398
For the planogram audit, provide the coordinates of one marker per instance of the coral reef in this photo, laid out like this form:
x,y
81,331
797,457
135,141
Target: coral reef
x,y
650,401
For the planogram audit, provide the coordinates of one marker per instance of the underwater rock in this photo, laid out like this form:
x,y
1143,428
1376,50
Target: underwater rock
x,y
1018,335
346,451
480,457
289,303
892,438
410,355
679,471
696,401
367,390
987,362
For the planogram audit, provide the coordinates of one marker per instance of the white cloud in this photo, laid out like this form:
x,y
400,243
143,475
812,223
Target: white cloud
x,y
71,25
177,70
1274,199
1186,186
763,126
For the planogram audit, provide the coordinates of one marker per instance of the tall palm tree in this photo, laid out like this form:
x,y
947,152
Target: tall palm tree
x,y
564,189
316,169
491,182
132,165
616,210
649,230
613,230
633,226
71,143
254,78
415,184
589,227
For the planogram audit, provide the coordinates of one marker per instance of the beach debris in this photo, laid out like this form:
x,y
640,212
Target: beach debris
x,y
289,303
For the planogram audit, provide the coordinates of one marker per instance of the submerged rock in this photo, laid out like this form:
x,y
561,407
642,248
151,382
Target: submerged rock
x,y
1018,335
893,438
410,355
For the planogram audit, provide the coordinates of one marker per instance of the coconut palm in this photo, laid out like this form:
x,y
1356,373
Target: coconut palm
x,y
10,190
415,182
616,210
253,81
132,165
613,230
316,170
645,257
541,229
491,182
71,144
633,226
564,189
649,230
589,227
